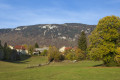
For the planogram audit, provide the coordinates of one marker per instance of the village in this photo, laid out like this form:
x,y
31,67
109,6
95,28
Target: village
x,y
22,50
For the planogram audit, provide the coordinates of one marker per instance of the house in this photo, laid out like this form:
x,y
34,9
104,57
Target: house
x,y
20,49
36,53
39,50
62,49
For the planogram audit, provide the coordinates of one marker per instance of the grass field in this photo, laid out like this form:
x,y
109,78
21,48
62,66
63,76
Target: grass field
x,y
82,70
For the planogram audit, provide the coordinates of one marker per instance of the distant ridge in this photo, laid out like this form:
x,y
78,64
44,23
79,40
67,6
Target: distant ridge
x,y
45,34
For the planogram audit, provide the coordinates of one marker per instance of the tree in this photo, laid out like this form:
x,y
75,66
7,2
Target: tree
x,y
6,51
26,46
30,49
1,54
5,45
117,57
36,45
104,40
0,44
82,43
8,54
1,51
14,56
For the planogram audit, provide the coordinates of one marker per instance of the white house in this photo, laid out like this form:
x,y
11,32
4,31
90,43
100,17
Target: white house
x,y
21,49
41,49
37,50
62,49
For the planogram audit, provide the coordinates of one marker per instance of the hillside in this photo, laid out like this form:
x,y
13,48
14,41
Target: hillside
x,y
45,34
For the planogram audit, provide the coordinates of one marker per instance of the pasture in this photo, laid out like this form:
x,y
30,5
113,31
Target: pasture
x,y
66,70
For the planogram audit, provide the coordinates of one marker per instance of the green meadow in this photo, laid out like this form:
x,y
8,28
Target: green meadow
x,y
66,70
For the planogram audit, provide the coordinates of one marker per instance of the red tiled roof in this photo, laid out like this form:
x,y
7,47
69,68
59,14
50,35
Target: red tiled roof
x,y
68,48
75,48
19,47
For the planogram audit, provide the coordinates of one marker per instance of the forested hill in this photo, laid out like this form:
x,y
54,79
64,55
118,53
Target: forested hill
x,y
45,34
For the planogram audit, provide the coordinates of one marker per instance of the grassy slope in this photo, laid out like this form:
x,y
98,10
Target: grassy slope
x,y
82,70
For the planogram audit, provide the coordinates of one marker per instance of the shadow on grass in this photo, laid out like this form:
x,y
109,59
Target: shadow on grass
x,y
99,65
22,60
107,65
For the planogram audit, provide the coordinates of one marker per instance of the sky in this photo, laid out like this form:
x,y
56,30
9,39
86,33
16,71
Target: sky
x,y
14,13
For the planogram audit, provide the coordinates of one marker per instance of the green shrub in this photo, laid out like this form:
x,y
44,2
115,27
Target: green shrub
x,y
79,54
54,54
70,56
44,53
58,57
75,54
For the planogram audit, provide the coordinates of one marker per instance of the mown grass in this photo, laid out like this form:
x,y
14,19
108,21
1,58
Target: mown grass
x,y
82,70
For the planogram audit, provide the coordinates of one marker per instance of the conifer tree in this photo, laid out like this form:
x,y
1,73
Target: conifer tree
x,y
6,51
1,51
36,45
0,44
82,43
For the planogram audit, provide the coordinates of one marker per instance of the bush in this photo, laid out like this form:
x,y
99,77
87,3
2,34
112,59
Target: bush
x,y
70,56
76,54
58,57
79,54
54,55
44,53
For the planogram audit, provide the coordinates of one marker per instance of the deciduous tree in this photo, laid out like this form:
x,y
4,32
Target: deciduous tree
x,y
104,39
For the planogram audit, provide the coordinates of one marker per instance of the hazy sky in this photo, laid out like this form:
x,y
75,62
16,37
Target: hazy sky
x,y
15,13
